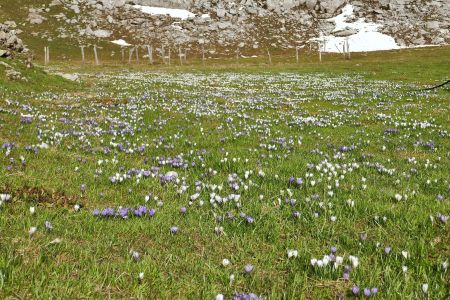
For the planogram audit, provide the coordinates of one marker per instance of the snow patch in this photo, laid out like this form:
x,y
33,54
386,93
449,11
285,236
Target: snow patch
x,y
367,38
120,42
174,13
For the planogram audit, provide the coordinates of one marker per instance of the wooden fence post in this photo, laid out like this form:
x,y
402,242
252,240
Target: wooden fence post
x,y
203,55
82,54
169,55
137,53
270,57
46,55
348,49
150,54
296,55
320,53
130,56
96,55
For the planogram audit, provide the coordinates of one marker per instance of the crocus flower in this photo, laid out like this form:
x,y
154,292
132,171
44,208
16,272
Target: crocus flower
x,y
151,212
135,255
173,230
248,268
225,262
292,253
32,231
48,226
123,212
346,276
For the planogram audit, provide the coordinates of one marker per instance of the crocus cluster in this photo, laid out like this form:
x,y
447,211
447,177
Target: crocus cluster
x,y
26,119
366,292
245,296
124,212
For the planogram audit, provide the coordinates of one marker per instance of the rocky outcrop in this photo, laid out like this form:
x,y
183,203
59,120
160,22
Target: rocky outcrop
x,y
35,17
9,42
249,24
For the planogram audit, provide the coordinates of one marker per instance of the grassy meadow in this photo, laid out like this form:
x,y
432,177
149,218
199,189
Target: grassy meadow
x,y
233,180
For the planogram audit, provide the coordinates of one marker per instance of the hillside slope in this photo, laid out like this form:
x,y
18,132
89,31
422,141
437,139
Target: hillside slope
x,y
218,26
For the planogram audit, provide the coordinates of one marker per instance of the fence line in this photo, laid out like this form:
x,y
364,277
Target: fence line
x,y
166,53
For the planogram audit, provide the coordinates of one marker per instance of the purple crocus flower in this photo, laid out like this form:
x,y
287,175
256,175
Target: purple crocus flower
x,y
333,249
387,250
95,212
355,290
374,291
346,276
367,293
26,119
108,212
183,210
244,296
296,214
151,212
443,218
174,230
123,212
140,211
248,268
291,181
83,188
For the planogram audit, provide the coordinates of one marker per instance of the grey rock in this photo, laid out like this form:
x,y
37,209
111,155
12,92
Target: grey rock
x,y
345,32
4,53
12,74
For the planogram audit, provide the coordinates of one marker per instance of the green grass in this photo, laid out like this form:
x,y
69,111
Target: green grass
x,y
35,79
189,107
422,65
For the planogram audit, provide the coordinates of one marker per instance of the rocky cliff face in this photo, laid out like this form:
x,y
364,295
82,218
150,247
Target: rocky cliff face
x,y
248,24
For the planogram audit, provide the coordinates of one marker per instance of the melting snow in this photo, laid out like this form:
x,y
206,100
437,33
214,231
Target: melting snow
x,y
366,38
121,42
174,13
